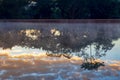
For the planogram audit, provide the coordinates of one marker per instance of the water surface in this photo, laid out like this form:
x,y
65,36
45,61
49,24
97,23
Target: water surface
x,y
27,37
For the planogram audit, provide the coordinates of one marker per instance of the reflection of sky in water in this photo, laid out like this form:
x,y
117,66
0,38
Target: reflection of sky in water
x,y
113,54
30,36
32,66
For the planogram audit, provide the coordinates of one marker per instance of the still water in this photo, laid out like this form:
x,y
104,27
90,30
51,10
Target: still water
x,y
24,46
101,40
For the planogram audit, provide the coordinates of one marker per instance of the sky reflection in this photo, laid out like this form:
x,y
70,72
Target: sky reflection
x,y
71,38
113,54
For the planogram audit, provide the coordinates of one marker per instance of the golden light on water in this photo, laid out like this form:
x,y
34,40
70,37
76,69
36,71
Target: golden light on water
x,y
20,64
55,32
7,59
31,33
23,55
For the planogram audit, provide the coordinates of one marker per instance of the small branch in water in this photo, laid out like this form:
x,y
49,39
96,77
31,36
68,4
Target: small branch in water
x,y
59,55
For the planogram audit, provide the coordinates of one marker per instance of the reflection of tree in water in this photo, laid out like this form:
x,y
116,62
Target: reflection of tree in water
x,y
102,43
8,39
61,42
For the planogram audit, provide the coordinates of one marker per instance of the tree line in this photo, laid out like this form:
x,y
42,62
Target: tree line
x,y
59,9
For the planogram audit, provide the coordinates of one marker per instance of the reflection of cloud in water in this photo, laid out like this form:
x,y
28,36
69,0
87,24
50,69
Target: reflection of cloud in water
x,y
56,70
41,67
20,50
